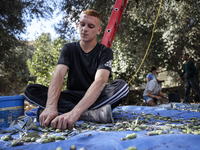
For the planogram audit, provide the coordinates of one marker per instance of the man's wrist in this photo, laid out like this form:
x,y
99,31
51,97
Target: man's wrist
x,y
77,111
51,106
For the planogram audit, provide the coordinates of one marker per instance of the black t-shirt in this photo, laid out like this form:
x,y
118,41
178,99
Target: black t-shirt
x,y
83,66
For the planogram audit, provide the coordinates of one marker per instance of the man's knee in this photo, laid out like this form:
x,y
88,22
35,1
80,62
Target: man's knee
x,y
151,103
36,87
120,82
117,91
117,87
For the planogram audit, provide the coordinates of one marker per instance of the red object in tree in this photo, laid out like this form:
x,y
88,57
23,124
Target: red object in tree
x,y
113,22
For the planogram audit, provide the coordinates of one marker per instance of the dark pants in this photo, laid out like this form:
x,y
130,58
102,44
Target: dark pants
x,y
113,94
188,84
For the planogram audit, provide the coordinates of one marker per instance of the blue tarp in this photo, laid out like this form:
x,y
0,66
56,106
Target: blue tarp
x,y
112,140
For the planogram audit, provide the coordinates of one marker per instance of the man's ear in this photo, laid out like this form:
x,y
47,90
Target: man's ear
x,y
100,29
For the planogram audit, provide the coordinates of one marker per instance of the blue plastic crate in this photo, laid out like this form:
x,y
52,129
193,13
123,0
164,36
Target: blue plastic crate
x,y
11,107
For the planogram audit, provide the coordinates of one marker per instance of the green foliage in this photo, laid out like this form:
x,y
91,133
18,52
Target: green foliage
x,y
15,16
14,73
45,57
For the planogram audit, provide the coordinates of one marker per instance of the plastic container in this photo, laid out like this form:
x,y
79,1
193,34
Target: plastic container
x,y
11,107
174,97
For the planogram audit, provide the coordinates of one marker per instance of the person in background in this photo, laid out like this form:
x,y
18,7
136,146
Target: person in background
x,y
189,73
150,76
152,92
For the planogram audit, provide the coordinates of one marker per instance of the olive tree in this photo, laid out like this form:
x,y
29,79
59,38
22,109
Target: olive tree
x,y
45,57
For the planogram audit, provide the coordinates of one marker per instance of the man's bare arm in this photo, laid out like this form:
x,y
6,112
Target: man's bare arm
x,y
55,86
54,91
68,119
155,96
94,91
160,93
152,96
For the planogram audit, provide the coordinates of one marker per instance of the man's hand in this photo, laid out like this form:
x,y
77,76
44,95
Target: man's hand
x,y
162,102
179,77
185,75
65,121
47,115
160,98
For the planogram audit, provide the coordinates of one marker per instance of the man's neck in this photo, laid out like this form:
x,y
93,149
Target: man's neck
x,y
187,60
87,46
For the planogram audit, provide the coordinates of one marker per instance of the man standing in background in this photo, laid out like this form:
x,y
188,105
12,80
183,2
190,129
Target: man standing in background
x,y
189,73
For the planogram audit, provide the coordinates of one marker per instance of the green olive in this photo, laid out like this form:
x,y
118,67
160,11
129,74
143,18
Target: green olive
x,y
28,139
17,143
93,128
133,125
58,148
73,147
121,129
159,131
196,133
33,139
131,136
115,128
184,131
132,148
64,134
102,129
35,127
173,125
151,133
57,138
134,135
126,126
66,130
6,138
62,138
53,137
50,128
13,144
45,141
137,129
45,134
143,125
57,130
188,131
107,129
163,127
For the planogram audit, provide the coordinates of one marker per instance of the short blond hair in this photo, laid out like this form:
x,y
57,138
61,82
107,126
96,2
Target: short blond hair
x,y
93,13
